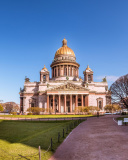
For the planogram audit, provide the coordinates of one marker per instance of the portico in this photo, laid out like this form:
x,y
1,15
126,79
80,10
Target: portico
x,y
65,98
65,102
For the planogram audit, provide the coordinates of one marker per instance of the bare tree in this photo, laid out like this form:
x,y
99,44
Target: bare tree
x,y
119,91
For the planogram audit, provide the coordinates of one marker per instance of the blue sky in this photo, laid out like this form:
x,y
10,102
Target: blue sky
x,y
32,30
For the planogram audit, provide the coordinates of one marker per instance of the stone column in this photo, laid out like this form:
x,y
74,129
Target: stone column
x,y
86,100
82,100
67,70
57,71
70,70
71,103
24,108
59,110
65,103
53,103
54,71
48,103
76,100
63,71
86,77
78,72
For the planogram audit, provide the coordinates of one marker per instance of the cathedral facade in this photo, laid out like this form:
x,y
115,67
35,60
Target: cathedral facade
x,y
65,90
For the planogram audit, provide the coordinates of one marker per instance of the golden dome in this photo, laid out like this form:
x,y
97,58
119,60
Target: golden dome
x,y
88,68
44,68
64,49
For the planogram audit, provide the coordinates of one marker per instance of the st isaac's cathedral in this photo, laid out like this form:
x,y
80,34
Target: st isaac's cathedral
x,y
64,90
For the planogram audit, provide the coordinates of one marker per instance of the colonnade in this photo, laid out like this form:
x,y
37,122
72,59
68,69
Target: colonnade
x,y
83,102
65,70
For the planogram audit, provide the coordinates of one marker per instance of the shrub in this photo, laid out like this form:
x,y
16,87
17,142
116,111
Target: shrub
x,y
34,110
93,108
1,108
29,114
85,109
112,107
78,110
43,110
13,113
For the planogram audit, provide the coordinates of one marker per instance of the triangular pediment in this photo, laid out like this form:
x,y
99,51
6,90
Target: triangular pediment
x,y
68,87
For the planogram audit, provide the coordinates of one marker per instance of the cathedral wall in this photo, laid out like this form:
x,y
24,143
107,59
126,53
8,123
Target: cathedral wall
x,y
93,99
64,78
99,89
55,83
91,88
26,102
31,89
98,86
42,88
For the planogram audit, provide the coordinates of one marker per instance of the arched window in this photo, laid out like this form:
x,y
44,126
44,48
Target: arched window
x,y
32,104
44,78
89,78
51,102
100,105
79,101
56,110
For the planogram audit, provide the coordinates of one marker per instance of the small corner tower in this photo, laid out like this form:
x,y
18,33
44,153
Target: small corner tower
x,y
44,75
88,75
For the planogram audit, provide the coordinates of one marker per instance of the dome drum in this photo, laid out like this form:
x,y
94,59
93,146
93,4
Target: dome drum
x,y
64,63
64,57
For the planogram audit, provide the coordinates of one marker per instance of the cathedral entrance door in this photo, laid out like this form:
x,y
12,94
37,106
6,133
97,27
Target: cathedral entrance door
x,y
68,106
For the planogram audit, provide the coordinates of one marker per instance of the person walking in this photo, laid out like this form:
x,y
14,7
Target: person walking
x,y
98,114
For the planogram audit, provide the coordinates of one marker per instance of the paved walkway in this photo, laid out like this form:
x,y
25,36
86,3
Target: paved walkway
x,y
95,139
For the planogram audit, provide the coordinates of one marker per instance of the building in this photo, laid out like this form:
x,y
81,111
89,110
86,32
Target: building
x,y
64,90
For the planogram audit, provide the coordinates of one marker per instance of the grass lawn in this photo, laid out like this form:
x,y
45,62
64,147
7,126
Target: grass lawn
x,y
122,118
45,116
18,139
